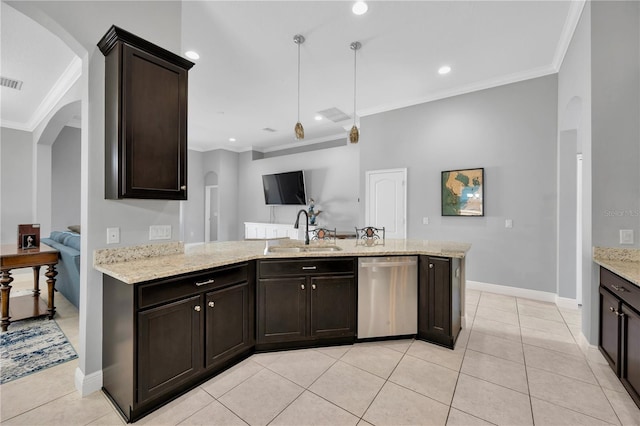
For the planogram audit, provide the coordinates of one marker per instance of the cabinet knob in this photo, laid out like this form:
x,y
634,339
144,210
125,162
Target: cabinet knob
x,y
183,187
197,308
431,266
212,304
313,286
611,309
302,286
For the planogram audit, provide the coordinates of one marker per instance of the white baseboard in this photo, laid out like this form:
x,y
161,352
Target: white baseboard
x,y
512,291
88,384
567,303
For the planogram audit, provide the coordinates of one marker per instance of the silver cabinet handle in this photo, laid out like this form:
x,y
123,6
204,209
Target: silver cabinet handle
x,y
183,187
313,286
431,266
618,288
302,286
212,304
309,268
611,309
197,308
211,281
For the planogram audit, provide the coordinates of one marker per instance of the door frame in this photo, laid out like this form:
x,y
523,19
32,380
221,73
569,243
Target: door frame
x,y
207,211
368,174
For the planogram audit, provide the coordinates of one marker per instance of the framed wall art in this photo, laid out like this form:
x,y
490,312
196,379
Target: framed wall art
x,y
462,192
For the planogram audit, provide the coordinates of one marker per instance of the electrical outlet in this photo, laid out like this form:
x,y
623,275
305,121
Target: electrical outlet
x,y
425,220
626,236
160,232
508,223
113,235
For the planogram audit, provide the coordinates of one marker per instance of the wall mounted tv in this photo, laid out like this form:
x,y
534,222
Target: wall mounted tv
x,y
284,189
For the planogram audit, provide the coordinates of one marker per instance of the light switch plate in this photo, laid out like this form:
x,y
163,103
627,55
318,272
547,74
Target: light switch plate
x,y
113,235
508,223
160,232
425,220
626,236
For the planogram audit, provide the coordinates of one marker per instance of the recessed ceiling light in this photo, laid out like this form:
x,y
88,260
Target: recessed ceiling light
x,y
318,117
360,8
232,139
192,55
446,69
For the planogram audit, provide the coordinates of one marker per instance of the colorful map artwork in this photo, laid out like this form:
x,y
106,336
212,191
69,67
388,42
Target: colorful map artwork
x,y
462,192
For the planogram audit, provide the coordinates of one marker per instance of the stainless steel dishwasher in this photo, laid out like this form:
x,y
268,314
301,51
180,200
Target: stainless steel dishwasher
x,y
387,296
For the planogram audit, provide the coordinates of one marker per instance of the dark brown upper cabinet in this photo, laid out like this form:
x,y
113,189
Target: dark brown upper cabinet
x,y
145,119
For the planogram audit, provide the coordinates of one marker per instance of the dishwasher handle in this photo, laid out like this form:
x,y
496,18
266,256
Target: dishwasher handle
x,y
387,264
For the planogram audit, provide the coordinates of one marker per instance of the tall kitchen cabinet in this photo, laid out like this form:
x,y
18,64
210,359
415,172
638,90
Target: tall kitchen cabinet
x,y
145,119
619,339
162,337
439,300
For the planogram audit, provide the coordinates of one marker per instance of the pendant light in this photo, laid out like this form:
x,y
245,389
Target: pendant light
x,y
354,134
299,130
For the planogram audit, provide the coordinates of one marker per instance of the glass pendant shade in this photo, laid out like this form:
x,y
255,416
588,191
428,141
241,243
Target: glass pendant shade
x,y
354,134
299,130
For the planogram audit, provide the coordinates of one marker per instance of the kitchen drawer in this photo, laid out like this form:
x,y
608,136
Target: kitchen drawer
x,y
311,266
623,289
160,292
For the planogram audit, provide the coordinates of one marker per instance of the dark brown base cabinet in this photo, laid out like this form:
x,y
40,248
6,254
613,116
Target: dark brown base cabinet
x,y
619,339
439,300
303,302
161,338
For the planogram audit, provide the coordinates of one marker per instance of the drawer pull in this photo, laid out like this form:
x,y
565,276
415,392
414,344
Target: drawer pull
x,y
313,286
212,304
431,266
309,268
618,288
197,308
211,281
302,286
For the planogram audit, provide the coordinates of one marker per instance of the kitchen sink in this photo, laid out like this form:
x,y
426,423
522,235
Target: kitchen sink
x,y
302,249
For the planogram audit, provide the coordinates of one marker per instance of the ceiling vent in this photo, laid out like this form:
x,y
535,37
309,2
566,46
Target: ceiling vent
x,y
335,115
269,129
10,83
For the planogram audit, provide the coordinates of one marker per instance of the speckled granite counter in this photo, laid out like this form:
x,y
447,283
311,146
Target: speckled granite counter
x,y
622,262
143,263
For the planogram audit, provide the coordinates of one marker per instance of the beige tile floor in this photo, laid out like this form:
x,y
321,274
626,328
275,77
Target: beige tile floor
x,y
516,363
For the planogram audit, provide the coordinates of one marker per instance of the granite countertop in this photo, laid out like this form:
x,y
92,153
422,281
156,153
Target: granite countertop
x,y
622,262
143,263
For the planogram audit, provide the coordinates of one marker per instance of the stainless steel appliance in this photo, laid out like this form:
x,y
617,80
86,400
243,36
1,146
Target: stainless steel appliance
x,y
387,296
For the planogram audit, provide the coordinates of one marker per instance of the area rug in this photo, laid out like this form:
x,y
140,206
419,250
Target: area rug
x,y
32,345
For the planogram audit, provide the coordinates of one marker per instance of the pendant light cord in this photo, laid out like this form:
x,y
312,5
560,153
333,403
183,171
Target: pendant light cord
x,y
355,54
298,82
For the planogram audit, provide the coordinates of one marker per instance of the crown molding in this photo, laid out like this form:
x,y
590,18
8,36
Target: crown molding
x,y
68,78
462,90
571,23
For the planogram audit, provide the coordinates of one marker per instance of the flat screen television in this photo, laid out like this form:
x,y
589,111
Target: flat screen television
x,y
284,189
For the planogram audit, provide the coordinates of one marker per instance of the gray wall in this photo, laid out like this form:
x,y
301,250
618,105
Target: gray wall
x,y
615,73
225,164
192,210
508,130
331,179
65,179
16,175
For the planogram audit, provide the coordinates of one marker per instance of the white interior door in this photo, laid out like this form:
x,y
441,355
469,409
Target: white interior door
x,y
386,204
211,216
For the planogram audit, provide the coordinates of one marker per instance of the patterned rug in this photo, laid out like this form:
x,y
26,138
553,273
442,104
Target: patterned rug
x,y
32,345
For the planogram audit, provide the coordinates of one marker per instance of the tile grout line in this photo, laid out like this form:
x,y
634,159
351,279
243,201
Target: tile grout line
x,y
526,369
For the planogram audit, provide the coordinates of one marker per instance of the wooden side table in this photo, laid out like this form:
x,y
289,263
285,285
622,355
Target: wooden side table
x,y
28,306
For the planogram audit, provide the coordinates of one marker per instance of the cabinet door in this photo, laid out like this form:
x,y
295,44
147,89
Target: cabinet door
x,y
434,300
169,346
282,309
609,340
630,357
154,127
227,326
333,307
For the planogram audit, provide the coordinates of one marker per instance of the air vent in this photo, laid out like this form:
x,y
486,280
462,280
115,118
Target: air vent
x,y
334,114
269,129
10,83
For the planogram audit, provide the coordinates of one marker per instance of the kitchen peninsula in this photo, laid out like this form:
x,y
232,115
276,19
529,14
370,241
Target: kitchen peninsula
x,y
174,317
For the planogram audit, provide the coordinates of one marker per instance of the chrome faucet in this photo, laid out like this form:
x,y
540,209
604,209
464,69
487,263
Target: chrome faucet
x,y
296,225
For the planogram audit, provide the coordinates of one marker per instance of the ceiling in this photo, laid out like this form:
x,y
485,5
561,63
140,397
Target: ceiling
x,y
246,77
